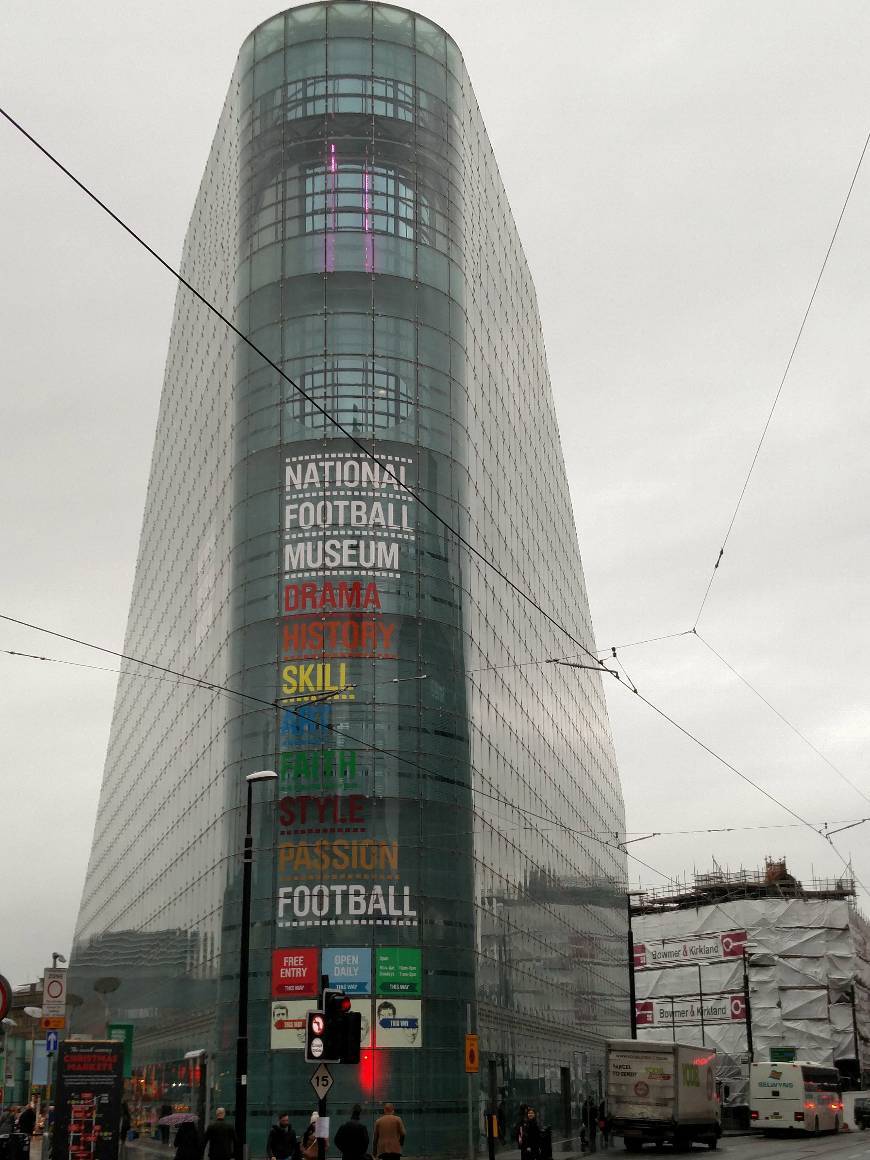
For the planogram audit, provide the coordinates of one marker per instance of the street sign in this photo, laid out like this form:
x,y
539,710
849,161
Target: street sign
x,y
322,1080
54,992
5,997
124,1033
50,1042
51,1023
472,1054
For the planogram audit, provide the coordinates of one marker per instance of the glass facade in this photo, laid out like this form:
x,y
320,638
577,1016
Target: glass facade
x,y
441,839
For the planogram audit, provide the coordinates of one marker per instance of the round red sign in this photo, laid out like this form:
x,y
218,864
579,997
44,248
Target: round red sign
x,y
5,997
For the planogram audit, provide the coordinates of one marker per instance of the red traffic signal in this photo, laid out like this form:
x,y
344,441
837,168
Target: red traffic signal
x,y
343,1031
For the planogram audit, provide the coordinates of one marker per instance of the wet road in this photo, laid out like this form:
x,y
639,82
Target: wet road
x,y
846,1146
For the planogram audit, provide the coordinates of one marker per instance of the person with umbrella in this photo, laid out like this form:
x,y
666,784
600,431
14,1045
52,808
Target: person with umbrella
x,y
186,1140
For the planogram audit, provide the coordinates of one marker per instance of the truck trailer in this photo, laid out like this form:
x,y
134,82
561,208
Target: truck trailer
x,y
662,1093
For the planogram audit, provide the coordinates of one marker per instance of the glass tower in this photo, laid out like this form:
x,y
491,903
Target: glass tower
x,y
442,839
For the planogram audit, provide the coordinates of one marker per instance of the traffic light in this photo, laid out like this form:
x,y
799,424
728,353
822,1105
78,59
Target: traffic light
x,y
315,1038
343,1028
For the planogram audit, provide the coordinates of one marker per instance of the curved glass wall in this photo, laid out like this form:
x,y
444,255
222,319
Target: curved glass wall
x,y
439,841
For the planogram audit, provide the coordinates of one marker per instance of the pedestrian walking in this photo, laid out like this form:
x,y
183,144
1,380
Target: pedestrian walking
x,y
518,1126
186,1141
309,1139
530,1137
590,1115
165,1110
352,1138
604,1125
27,1120
219,1138
389,1135
282,1143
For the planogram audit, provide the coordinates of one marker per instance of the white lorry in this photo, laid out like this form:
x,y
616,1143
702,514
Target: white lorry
x,y
662,1093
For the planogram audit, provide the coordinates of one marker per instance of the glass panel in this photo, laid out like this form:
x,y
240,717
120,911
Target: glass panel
x,y
303,296
304,255
303,336
349,56
349,20
432,77
269,37
349,332
308,23
269,74
392,60
305,60
454,59
393,24
430,39
265,266
246,57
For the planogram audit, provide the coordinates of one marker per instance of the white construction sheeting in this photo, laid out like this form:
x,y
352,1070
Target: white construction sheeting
x,y
804,957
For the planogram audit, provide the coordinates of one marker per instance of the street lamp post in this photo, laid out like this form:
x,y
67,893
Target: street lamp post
x,y
746,1006
34,1014
244,955
6,1024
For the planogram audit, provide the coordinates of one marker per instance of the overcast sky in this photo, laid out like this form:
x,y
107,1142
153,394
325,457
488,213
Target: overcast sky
x,y
676,171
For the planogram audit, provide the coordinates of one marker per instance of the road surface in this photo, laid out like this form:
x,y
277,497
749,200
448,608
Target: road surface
x,y
846,1146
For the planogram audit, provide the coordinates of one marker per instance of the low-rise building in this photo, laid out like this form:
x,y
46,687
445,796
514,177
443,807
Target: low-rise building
x,y
756,965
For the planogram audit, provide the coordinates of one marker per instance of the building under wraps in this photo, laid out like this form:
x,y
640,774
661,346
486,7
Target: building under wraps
x,y
800,953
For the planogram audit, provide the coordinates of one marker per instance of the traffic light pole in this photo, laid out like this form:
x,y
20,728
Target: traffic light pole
x,y
321,1100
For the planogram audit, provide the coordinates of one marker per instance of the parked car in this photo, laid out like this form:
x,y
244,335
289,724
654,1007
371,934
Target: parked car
x,y
862,1114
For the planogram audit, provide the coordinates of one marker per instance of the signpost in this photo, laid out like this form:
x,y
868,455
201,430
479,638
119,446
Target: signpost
x,y
50,1042
54,992
88,1102
398,971
322,1080
123,1032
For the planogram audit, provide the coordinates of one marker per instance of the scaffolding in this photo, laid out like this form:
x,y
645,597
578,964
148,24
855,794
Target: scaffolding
x,y
722,885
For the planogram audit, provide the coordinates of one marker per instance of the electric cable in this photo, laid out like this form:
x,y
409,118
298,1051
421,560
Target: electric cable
x,y
648,640
781,384
305,395
390,472
195,682
216,687
274,704
783,718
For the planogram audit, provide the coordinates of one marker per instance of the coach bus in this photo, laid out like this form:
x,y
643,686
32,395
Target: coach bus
x,y
798,1097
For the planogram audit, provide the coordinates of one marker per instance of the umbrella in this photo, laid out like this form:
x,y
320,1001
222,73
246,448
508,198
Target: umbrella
x,y
178,1118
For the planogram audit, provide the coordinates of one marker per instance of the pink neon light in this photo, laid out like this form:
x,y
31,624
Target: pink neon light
x,y
367,224
330,237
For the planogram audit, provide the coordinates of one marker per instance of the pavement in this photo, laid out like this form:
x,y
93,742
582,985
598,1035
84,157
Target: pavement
x,y
734,1146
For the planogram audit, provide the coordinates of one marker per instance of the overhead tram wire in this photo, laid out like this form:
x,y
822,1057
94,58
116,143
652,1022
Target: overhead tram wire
x,y
783,718
275,704
366,451
200,297
614,648
216,687
197,682
781,383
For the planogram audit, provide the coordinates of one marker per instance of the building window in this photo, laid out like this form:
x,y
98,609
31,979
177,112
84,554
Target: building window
x,y
363,396
353,195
